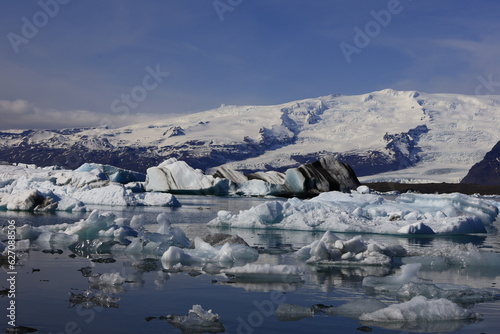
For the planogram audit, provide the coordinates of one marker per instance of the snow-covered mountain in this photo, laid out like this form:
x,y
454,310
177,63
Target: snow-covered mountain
x,y
384,135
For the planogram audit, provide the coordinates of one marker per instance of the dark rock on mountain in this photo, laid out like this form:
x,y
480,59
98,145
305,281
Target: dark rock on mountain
x,y
487,171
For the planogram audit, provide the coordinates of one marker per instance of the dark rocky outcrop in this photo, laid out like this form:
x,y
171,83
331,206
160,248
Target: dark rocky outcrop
x,y
487,171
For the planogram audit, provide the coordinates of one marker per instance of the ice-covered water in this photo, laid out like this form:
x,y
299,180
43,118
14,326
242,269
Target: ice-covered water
x,y
132,292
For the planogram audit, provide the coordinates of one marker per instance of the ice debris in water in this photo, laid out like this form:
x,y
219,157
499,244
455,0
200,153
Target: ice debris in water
x,y
203,252
420,308
197,321
331,249
361,212
265,273
103,233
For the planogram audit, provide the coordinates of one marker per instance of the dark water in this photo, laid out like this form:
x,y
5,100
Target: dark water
x,y
44,282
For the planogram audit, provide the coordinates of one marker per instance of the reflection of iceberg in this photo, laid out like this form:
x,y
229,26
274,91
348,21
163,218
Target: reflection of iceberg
x,y
90,299
355,212
290,312
263,286
418,313
456,293
466,255
265,273
393,283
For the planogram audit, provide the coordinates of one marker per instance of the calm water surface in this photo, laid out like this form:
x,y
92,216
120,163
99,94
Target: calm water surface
x,y
44,282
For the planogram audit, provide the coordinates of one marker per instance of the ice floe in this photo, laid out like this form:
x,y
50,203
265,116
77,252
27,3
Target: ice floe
x,y
28,188
369,213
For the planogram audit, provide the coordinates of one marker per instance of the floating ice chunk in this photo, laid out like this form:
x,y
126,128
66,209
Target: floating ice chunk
x,y
416,228
265,273
420,309
205,253
363,189
175,255
112,173
290,312
333,250
197,321
23,201
156,199
393,283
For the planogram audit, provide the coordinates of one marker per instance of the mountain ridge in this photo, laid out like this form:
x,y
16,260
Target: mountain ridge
x,y
386,135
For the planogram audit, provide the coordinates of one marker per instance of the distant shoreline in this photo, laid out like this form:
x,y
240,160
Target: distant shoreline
x,y
431,188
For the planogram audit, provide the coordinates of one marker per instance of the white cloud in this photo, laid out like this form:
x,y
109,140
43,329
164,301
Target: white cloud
x,y
22,114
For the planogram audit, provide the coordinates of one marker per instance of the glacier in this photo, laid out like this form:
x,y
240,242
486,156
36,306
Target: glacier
x,y
370,213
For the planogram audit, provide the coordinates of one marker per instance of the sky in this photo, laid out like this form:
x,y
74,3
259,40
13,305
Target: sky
x,y
69,63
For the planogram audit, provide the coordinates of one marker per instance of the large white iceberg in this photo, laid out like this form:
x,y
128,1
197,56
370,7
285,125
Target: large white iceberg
x,y
370,213
177,176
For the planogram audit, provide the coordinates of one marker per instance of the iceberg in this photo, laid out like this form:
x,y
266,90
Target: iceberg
x,y
177,176
369,213
332,250
420,308
112,173
197,320
225,255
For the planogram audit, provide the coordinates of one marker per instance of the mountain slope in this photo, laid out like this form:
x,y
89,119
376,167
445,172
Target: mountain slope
x,y
487,171
384,135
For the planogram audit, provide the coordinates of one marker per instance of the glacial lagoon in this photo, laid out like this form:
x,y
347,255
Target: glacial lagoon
x,y
55,291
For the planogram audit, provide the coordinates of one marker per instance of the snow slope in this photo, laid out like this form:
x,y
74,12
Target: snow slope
x,y
384,135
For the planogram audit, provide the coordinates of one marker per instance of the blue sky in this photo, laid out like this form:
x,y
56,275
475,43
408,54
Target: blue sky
x,y
85,56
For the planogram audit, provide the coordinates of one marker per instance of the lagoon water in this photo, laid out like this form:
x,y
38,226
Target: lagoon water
x,y
44,281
